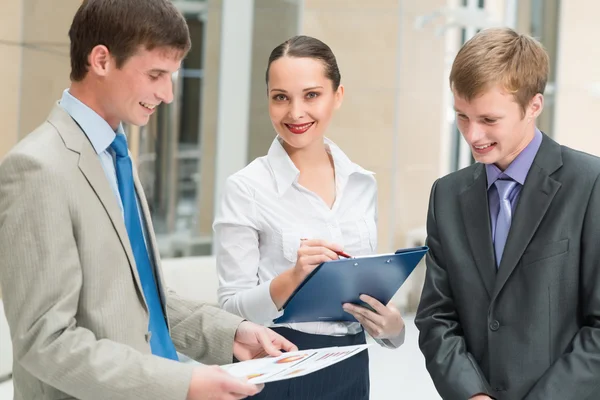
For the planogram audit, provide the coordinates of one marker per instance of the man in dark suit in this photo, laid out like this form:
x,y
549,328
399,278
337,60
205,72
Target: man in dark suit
x,y
511,303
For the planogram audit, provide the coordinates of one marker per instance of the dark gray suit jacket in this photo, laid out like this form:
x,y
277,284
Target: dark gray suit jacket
x,y
531,329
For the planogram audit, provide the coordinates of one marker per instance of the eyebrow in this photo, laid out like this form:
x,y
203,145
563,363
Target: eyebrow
x,y
305,90
489,116
161,71
158,71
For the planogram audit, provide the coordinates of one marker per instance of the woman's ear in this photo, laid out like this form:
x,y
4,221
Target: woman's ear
x,y
339,96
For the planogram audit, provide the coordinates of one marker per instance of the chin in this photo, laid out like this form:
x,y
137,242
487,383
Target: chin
x,y
291,140
299,141
485,159
141,121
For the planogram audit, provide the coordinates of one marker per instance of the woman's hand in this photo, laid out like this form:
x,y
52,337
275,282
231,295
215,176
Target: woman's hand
x,y
311,253
385,323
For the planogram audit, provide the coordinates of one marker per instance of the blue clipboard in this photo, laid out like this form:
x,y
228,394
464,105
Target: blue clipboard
x,y
321,295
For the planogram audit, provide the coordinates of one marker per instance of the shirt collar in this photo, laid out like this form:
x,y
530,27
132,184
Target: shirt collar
x,y
519,168
98,131
286,173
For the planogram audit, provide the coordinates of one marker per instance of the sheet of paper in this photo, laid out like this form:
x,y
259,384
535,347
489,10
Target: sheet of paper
x,y
291,365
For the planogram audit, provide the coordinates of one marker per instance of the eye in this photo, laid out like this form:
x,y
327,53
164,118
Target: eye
x,y
280,97
490,121
312,95
154,77
462,117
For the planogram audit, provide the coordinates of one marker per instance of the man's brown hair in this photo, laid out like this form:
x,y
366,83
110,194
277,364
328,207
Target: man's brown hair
x,y
123,26
518,63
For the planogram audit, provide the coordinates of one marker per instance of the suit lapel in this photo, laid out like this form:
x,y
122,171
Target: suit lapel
x,y
476,217
536,196
150,237
91,167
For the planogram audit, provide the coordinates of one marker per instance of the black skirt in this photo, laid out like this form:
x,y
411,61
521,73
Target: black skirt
x,y
346,380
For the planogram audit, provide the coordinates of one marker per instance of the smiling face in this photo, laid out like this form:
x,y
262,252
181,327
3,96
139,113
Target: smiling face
x,y
301,100
131,93
495,126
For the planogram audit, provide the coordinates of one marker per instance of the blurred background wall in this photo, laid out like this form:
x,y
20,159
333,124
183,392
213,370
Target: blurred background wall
x,y
396,119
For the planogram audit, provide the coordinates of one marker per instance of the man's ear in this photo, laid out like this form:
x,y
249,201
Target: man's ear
x,y
536,106
100,60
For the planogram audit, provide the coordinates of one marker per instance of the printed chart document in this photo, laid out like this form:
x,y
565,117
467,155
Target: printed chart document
x,y
292,364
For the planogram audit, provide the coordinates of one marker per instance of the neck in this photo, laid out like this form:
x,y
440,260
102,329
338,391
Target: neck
x,y
311,157
88,93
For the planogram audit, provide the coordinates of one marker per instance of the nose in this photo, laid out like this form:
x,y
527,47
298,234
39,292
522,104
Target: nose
x,y
165,92
472,132
297,110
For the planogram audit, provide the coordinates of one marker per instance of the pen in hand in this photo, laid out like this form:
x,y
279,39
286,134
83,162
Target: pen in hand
x,y
340,253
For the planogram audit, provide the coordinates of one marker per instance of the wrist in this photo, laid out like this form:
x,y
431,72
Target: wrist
x,y
282,287
192,389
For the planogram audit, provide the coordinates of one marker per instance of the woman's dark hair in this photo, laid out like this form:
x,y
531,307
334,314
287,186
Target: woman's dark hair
x,y
307,47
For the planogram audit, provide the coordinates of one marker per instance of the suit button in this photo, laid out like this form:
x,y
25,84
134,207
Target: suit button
x,y
148,336
494,325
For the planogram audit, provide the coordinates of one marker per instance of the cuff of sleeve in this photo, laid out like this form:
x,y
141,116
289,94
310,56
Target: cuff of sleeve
x,y
265,310
171,379
393,343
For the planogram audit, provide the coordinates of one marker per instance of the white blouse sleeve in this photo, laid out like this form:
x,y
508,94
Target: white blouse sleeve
x,y
238,257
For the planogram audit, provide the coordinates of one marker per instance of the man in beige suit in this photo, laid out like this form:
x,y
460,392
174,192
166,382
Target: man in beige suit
x,y
89,314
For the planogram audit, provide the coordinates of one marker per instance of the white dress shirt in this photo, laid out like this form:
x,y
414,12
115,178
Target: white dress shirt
x,y
263,214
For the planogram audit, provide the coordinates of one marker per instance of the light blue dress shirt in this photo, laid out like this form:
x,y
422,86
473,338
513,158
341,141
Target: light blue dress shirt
x,y
101,135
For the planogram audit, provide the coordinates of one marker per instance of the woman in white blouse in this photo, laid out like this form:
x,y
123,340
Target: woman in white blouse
x,y
289,211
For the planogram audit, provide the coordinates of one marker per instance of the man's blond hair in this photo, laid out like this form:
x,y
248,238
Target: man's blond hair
x,y
518,63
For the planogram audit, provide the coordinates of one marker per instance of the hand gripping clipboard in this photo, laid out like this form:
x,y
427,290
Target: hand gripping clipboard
x,y
323,292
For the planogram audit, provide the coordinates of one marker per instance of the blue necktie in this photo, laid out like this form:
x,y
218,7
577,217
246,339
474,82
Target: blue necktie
x,y
505,188
160,340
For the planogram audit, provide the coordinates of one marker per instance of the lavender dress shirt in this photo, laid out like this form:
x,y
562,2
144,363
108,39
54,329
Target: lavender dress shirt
x,y
517,171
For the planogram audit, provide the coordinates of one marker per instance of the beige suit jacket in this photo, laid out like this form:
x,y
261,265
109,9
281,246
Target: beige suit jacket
x,y
71,291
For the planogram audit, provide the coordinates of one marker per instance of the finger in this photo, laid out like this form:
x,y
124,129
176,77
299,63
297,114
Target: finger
x,y
374,330
393,309
267,344
262,354
376,304
366,324
316,260
239,386
377,319
316,250
236,396
283,343
323,243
